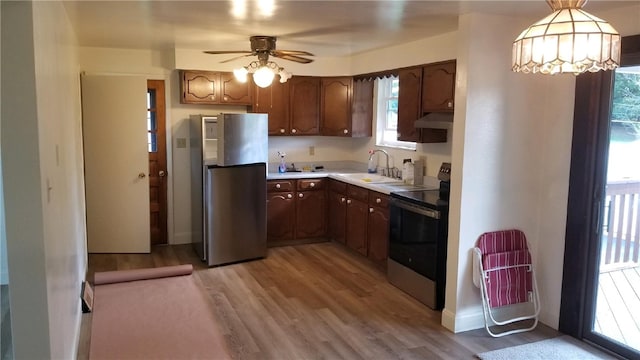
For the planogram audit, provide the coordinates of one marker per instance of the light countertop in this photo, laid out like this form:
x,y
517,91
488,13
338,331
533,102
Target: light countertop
x,y
379,184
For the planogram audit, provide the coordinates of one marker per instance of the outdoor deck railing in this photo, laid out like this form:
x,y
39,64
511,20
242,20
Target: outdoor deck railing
x,y
621,226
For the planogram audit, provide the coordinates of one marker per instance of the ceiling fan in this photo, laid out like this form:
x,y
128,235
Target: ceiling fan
x,y
263,47
264,70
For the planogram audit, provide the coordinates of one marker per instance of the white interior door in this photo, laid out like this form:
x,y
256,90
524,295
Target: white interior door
x,y
116,160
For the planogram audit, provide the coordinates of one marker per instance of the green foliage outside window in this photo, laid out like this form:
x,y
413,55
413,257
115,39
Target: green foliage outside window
x,y
626,101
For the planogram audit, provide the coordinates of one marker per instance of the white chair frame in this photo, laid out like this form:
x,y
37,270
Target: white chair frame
x,y
479,276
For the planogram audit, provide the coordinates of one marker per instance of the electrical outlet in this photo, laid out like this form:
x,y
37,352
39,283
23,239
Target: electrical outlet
x,y
312,150
181,143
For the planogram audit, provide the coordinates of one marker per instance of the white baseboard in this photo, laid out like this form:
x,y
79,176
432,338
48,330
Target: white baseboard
x,y
181,238
462,322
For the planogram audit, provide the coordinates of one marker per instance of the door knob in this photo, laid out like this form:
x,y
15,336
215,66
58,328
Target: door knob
x,y
142,175
161,173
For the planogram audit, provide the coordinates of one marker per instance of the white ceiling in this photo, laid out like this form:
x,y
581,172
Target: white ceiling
x,y
325,28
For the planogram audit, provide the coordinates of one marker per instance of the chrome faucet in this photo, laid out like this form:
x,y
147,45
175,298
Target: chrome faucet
x,y
371,152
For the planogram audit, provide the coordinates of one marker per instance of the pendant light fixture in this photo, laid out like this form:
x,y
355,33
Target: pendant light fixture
x,y
570,40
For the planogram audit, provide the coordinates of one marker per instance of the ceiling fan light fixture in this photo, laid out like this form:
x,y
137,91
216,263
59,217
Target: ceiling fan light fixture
x,y
284,75
570,40
263,77
241,74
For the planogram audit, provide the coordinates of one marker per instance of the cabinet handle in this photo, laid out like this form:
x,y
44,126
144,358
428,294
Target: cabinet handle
x,y
312,185
281,131
378,200
278,186
289,196
349,201
345,131
450,104
370,210
300,195
342,199
293,131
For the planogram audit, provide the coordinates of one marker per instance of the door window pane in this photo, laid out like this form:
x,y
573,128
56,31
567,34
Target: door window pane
x,y
618,291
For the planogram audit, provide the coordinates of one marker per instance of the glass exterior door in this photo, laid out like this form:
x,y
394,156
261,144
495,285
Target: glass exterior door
x,y
616,313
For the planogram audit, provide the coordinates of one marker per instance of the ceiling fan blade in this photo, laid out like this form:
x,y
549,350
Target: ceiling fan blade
x,y
235,58
291,52
228,52
293,58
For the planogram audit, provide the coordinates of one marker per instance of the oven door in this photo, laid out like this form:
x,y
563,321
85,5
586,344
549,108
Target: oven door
x,y
413,237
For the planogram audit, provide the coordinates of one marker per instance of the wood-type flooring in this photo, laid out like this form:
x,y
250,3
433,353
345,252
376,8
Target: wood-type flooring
x,y
315,301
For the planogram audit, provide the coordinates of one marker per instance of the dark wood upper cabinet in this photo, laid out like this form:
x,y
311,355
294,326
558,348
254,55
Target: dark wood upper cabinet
x,y
234,92
199,87
362,108
409,107
438,87
335,105
210,87
304,105
274,101
411,98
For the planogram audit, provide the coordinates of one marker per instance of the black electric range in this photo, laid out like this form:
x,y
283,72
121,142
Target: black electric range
x,y
418,227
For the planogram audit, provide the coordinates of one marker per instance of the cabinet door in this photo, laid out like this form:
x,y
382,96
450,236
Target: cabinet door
x,y
378,234
234,92
438,87
311,209
280,216
200,87
335,106
304,105
274,101
337,216
356,233
409,108
362,108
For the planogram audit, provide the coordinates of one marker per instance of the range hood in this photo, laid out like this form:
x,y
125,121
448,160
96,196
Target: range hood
x,y
434,120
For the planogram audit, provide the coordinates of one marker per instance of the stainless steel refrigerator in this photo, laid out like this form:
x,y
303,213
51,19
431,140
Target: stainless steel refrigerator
x,y
228,186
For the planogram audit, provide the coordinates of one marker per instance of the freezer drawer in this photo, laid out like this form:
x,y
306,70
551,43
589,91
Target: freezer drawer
x,y
235,213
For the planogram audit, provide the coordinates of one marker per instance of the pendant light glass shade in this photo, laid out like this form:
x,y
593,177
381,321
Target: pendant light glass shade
x,y
263,77
570,40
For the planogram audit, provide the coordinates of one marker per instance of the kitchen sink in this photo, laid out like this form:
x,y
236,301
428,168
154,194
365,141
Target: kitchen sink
x,y
370,178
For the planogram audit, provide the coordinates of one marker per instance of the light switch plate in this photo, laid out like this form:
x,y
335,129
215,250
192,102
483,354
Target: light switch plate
x,y
181,143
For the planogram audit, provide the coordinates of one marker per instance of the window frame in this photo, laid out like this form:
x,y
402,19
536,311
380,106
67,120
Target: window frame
x,y
382,94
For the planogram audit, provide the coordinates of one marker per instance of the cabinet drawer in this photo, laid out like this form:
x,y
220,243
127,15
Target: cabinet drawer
x,y
379,200
310,184
280,185
358,193
338,186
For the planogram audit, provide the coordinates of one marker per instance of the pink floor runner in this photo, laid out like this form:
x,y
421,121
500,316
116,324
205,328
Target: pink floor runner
x,y
156,318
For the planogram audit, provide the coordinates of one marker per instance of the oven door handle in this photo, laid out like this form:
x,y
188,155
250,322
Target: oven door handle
x,y
416,209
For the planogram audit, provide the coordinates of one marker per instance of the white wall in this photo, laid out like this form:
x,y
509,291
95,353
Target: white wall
x,y
42,169
511,149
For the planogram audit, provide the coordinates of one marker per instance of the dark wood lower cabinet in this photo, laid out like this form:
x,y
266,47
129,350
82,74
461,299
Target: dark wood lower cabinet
x,y
356,234
337,216
296,210
378,228
311,214
281,217
305,210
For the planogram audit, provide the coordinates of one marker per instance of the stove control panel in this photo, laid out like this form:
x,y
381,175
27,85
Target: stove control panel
x,y
445,172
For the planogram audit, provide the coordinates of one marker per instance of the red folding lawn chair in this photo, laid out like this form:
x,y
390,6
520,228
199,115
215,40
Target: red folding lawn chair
x,y
503,270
